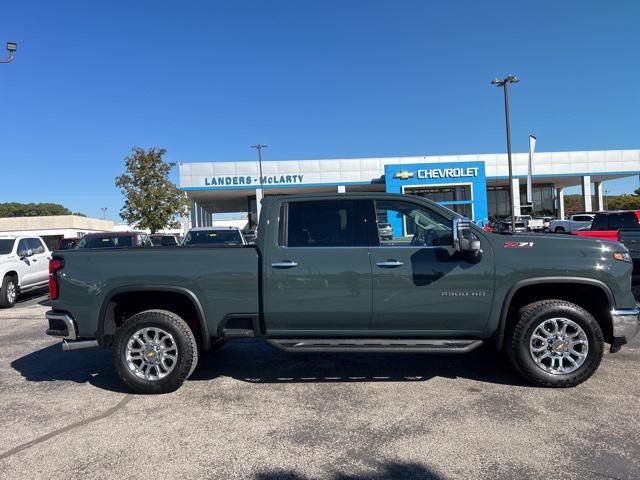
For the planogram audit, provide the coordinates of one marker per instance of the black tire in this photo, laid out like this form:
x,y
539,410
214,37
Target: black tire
x,y
5,301
187,351
559,230
529,318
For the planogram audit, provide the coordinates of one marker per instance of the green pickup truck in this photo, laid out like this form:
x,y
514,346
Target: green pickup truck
x,y
322,278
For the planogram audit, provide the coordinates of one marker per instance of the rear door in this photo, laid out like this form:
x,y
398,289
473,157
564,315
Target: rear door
x,y
421,285
317,275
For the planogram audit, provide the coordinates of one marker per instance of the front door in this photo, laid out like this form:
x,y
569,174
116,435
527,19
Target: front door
x,y
40,259
421,285
317,276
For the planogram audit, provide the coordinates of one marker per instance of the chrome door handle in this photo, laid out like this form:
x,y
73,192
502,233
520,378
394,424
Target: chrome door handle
x,y
389,264
284,264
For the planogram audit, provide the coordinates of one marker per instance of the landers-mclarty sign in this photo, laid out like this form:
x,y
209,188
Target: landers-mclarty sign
x,y
225,181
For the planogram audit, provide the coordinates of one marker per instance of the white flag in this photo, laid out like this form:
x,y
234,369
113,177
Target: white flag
x,y
532,148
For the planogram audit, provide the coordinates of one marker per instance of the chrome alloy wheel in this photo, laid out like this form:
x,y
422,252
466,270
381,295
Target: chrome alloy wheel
x,y
151,353
559,346
11,292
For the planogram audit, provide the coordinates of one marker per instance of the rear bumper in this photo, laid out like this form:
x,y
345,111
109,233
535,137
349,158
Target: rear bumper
x,y
62,325
626,325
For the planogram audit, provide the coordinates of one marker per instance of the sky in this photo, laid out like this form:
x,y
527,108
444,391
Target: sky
x,y
313,79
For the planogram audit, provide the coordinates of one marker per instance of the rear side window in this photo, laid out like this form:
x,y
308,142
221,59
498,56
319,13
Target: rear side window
x,y
601,222
213,237
622,220
36,245
105,242
332,223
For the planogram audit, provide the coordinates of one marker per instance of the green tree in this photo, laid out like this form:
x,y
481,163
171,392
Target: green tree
x,y
15,209
151,200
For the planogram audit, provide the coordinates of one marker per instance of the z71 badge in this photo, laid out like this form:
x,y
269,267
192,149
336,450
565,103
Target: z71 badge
x,y
518,244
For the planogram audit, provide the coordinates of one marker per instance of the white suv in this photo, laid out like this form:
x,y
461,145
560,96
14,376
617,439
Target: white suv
x,y
24,265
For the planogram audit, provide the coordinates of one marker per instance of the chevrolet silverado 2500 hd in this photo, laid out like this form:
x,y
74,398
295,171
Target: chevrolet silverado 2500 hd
x,y
320,279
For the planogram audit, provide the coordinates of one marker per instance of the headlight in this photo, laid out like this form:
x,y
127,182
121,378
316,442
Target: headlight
x,y
622,256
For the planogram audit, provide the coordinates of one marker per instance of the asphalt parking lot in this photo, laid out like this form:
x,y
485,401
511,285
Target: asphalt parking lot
x,y
251,411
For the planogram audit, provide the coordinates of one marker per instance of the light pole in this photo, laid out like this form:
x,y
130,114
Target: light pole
x,y
104,212
606,194
11,48
259,147
504,83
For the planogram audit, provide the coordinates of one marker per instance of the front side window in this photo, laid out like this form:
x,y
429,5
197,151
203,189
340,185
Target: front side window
x,y
23,247
622,220
322,224
36,245
411,225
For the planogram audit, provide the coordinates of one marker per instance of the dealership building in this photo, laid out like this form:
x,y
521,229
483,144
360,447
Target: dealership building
x,y
474,185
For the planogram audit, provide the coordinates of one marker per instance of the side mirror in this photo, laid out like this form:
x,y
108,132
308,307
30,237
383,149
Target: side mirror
x,y
464,241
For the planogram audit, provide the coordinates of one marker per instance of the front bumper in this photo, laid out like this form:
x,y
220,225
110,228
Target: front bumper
x,y
626,324
62,325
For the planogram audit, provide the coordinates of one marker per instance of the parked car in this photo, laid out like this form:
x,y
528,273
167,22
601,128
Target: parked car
x,y
606,224
502,227
114,240
24,262
66,243
163,240
574,223
320,280
530,223
385,231
214,236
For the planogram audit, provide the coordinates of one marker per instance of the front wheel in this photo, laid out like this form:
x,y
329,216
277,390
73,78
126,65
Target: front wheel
x,y
555,343
155,351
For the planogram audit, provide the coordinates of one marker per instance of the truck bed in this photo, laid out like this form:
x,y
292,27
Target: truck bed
x,y
223,280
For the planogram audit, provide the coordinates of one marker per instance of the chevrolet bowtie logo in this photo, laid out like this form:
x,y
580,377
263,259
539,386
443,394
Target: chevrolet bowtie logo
x,y
403,175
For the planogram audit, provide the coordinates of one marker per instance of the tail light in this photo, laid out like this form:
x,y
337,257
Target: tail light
x,y
55,264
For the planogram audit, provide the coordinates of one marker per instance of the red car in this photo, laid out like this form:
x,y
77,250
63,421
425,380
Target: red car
x,y
606,224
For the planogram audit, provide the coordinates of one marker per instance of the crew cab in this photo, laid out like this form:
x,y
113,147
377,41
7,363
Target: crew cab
x,y
575,222
24,264
606,224
320,279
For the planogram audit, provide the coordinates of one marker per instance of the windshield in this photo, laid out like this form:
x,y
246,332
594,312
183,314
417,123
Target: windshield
x,y
98,241
6,245
213,237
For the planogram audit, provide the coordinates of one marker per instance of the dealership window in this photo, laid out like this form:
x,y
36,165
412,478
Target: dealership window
x,y
408,224
456,197
498,200
322,224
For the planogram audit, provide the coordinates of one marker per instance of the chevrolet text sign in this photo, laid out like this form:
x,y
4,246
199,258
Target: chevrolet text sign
x,y
455,172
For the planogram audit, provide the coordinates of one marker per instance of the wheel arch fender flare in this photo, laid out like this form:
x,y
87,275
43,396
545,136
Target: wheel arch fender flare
x,y
506,304
202,321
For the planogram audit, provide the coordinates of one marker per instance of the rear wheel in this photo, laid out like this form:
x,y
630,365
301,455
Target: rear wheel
x,y
155,351
555,343
8,292
559,230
